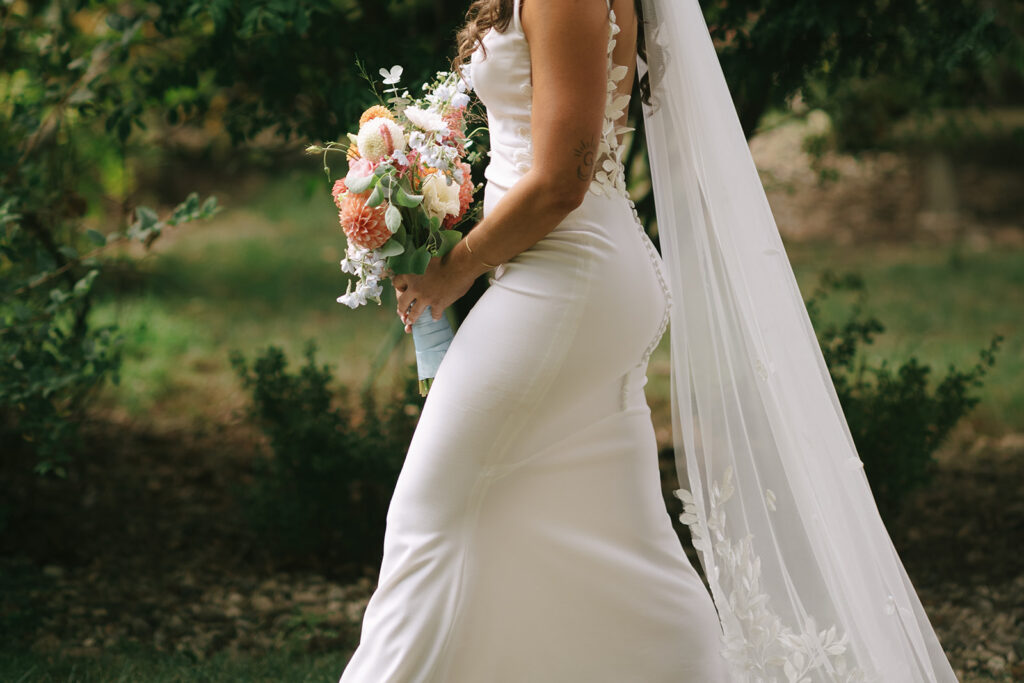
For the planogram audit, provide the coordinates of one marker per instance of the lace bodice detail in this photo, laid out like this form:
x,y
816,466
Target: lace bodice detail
x,y
501,79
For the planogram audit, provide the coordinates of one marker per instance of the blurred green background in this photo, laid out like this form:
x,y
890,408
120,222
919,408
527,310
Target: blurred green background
x,y
193,492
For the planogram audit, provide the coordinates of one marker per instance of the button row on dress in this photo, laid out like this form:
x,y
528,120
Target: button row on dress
x,y
661,282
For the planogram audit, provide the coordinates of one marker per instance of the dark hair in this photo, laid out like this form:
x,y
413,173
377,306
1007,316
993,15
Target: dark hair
x,y
486,14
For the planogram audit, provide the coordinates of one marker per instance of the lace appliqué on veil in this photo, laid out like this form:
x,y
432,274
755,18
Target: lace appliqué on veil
x,y
755,641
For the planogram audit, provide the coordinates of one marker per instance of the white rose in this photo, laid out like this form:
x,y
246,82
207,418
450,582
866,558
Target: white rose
x,y
373,139
439,197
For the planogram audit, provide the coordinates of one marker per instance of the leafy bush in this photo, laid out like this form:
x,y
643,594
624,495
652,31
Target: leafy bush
x,y
63,128
896,419
324,493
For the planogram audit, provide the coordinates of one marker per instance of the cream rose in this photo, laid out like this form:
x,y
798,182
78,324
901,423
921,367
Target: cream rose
x,y
439,197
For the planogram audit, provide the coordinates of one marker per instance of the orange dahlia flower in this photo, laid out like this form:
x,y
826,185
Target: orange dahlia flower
x,y
362,225
376,112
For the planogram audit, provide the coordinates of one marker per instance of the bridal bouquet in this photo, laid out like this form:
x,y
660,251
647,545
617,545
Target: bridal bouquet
x,y
407,191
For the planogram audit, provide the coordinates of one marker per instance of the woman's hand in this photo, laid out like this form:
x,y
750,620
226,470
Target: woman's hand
x,y
439,287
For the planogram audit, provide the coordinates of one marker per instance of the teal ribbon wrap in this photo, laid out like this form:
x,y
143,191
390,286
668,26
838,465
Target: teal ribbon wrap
x,y
431,339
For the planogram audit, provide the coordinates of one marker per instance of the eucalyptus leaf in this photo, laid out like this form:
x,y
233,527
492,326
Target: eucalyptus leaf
x,y
400,264
391,248
376,197
414,261
449,238
392,218
360,184
420,259
403,198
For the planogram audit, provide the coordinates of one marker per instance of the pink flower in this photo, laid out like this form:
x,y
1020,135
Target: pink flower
x,y
465,196
361,166
453,117
338,191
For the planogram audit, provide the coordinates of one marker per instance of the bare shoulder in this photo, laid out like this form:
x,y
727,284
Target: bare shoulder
x,y
567,20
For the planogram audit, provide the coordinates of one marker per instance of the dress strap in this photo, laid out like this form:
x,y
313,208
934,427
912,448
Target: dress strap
x,y
517,21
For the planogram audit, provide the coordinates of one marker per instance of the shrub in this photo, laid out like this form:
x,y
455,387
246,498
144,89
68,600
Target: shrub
x,y
323,494
896,419
69,98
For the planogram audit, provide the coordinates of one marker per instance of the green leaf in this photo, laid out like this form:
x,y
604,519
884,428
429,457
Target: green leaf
x,y
360,185
393,218
449,238
209,207
403,198
145,218
392,248
410,261
83,286
96,236
420,257
376,197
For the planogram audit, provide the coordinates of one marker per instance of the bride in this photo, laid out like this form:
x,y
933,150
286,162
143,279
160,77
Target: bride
x,y
527,540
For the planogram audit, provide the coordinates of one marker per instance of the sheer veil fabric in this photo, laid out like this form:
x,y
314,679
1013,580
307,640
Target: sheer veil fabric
x,y
807,583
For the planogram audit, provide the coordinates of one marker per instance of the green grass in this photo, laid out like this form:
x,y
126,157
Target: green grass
x,y
265,271
942,306
129,664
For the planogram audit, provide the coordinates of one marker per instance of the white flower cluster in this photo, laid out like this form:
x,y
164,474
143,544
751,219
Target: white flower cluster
x,y
448,91
369,267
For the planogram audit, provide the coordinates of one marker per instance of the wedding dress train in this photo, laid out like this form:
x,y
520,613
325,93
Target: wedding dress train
x,y
527,540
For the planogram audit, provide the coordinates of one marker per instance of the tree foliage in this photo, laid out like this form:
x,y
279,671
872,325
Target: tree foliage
x,y
84,83
940,52
65,102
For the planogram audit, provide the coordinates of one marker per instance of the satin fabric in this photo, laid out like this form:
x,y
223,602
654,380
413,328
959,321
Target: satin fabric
x,y
527,540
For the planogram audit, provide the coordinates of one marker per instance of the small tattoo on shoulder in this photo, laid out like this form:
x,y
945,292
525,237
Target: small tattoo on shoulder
x,y
584,152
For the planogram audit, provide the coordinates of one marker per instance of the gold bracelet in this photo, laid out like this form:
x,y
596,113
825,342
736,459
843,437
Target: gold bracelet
x,y
471,252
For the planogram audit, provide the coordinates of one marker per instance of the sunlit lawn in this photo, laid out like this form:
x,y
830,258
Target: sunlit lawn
x,y
265,271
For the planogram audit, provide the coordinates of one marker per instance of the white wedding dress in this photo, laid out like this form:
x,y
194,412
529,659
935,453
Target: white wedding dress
x,y
527,540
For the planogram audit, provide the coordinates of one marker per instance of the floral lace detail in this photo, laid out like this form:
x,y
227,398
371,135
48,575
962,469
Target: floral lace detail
x,y
610,177
610,180
755,640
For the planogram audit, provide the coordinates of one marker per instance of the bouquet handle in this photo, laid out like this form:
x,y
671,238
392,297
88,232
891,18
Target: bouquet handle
x,y
431,339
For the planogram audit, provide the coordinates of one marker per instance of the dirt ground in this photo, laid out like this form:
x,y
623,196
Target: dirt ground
x,y
146,545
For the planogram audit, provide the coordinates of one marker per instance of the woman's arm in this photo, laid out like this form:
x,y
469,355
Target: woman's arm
x,y
568,50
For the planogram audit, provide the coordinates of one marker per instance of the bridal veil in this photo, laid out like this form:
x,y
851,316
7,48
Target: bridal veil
x,y
807,583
